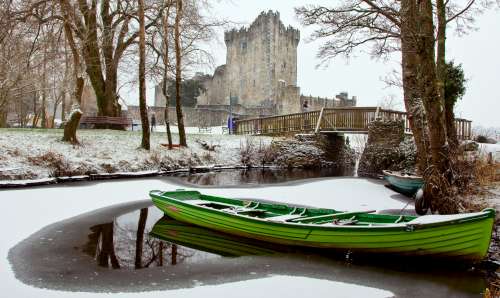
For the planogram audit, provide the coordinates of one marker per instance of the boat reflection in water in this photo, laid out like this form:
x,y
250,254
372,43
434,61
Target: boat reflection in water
x,y
146,238
203,239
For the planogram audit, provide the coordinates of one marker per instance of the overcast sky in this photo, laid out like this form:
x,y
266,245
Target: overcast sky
x,y
479,53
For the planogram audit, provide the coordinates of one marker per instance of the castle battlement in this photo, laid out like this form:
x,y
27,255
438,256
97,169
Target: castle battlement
x,y
263,23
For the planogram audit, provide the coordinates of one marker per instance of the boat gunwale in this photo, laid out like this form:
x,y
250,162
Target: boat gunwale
x,y
395,175
408,226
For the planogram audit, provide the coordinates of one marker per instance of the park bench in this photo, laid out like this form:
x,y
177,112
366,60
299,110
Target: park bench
x,y
204,129
105,120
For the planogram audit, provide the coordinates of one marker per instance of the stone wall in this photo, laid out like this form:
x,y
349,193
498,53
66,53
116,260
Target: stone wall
x,y
216,89
314,151
288,100
387,148
315,103
192,116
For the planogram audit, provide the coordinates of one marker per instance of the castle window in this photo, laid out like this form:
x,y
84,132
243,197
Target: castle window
x,y
243,46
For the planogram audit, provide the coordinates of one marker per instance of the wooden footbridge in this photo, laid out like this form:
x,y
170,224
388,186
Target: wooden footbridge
x,y
332,120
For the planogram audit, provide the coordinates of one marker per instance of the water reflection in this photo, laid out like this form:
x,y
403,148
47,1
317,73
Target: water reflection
x,y
128,242
210,241
101,245
260,176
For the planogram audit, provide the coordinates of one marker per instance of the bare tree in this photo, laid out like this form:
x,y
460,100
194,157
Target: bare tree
x,y
142,79
105,30
384,26
194,29
388,26
165,60
178,74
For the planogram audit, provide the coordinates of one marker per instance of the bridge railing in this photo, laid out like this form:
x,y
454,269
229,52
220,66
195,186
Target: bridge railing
x,y
464,129
348,119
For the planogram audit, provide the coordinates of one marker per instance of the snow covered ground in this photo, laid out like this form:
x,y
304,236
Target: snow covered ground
x,y
494,149
31,209
36,154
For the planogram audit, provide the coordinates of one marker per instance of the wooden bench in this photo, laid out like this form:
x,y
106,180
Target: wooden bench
x,y
204,129
113,121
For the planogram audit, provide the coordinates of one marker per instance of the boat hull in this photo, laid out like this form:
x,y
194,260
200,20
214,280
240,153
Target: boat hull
x,y
407,186
468,239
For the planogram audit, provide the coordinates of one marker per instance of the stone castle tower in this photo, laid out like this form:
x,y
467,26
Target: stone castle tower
x,y
260,70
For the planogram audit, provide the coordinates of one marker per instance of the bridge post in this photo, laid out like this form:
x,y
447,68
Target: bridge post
x,y
318,124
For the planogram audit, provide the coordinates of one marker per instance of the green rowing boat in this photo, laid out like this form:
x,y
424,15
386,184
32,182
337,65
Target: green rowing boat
x,y
464,236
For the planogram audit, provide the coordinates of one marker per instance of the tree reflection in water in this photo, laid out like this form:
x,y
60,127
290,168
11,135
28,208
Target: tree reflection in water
x,y
261,176
125,243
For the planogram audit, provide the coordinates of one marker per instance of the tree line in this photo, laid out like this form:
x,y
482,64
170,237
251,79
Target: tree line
x,y
51,49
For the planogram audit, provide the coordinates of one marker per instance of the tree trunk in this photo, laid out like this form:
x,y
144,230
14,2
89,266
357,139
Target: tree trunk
x,y
165,76
54,112
35,111
451,133
173,259
66,79
74,119
63,105
104,81
412,100
436,181
178,108
140,236
72,124
3,118
44,88
166,116
142,80
451,130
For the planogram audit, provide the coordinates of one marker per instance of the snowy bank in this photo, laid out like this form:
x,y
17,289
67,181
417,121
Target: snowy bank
x,y
34,154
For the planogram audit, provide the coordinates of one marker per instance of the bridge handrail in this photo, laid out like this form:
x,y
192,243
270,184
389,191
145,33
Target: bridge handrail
x,y
336,119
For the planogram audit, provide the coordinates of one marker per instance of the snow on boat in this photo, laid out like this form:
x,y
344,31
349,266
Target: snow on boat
x,y
465,236
402,182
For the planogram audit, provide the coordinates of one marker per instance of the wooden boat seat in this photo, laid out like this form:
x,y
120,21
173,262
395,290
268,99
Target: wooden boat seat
x,y
249,211
285,218
244,210
199,202
330,216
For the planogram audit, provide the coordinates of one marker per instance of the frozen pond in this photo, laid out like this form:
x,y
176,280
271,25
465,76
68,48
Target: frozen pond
x,y
81,240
